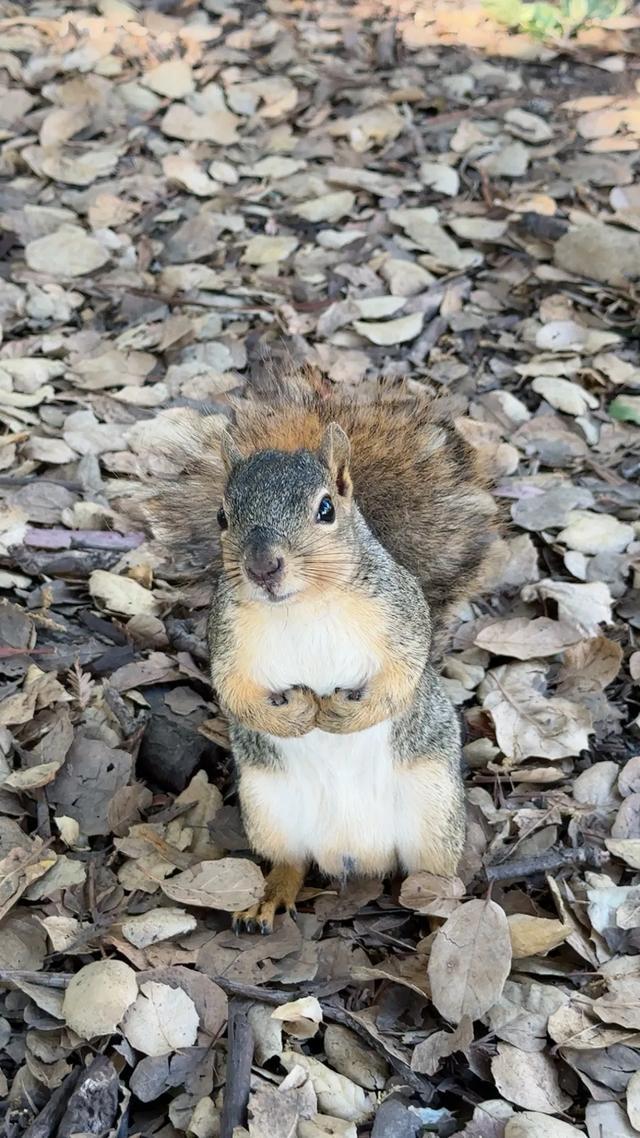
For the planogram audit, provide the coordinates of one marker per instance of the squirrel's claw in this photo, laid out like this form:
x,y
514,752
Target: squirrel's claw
x,y
281,891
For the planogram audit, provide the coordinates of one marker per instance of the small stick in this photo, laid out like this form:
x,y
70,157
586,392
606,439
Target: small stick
x,y
546,863
45,1125
335,1015
26,480
45,979
55,537
16,437
239,1059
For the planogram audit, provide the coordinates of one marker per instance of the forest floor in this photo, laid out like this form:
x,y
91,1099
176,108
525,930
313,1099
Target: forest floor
x,y
370,187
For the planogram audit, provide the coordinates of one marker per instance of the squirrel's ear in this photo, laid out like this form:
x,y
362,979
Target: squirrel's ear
x,y
335,451
231,455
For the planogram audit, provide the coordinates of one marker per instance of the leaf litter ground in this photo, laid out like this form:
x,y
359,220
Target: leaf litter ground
x,y
395,188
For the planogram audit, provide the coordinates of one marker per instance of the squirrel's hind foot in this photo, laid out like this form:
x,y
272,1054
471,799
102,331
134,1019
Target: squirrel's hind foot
x,y
283,886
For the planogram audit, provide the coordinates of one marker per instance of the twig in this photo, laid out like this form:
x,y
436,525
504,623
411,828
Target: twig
x,y
546,863
57,538
16,437
334,1014
42,814
239,1059
45,979
26,480
45,1125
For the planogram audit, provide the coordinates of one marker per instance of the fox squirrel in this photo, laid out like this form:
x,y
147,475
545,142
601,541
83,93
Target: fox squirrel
x,y
348,530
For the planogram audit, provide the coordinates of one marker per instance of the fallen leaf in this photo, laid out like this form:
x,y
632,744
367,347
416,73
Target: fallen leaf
x,y
431,894
608,1118
157,925
531,1124
183,169
428,1055
525,639
528,723
229,884
391,331
323,1126
337,1095
625,408
348,1055
440,177
98,996
69,252
600,252
268,250
533,936
564,395
327,207
590,665
595,533
173,79
161,1020
470,960
586,606
122,594
300,1017
528,1079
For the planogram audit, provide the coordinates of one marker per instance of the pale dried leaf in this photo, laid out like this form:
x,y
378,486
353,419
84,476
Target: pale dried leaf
x,y
161,1020
229,884
470,960
98,996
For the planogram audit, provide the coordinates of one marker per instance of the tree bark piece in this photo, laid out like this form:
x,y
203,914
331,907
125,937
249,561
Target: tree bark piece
x,y
239,1059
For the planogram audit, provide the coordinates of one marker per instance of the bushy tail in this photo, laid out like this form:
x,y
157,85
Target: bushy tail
x,y
422,489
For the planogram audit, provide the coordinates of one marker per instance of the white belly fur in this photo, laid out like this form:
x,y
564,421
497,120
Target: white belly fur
x,y
338,800
341,801
312,644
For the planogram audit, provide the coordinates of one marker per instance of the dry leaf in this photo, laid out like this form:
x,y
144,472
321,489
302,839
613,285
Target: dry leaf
x,y
69,252
600,252
269,250
430,894
586,606
327,207
531,936
229,884
122,594
391,331
528,1079
300,1017
350,1057
156,925
531,1124
527,639
527,723
337,1095
323,1126
98,996
173,79
470,960
161,1020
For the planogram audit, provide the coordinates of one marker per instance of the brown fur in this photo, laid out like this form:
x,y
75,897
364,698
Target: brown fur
x,y
422,489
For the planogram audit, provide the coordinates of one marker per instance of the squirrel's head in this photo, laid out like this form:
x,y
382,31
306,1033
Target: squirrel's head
x,y
285,518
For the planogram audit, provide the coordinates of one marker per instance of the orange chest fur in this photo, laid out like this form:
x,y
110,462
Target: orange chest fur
x,y
335,640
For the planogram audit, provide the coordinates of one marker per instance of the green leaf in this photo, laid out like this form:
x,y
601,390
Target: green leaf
x,y
626,408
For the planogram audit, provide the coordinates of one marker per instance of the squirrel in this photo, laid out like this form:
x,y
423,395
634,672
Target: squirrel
x,y
348,531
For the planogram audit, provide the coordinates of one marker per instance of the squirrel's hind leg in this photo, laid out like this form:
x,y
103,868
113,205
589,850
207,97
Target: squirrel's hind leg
x,y
283,885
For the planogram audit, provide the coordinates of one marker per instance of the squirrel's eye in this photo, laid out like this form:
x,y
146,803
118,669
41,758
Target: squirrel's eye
x,y
326,511
222,519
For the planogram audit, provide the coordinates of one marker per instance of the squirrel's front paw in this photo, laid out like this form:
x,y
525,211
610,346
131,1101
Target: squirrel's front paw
x,y
294,712
343,711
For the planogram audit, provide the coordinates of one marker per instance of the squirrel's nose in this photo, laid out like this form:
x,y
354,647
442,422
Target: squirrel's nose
x,y
264,568
262,561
